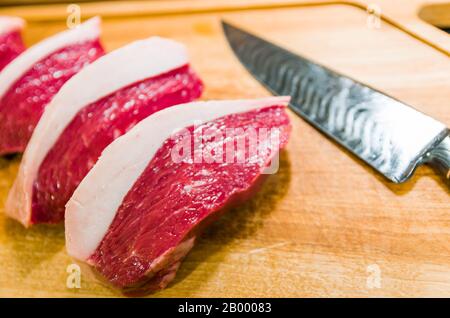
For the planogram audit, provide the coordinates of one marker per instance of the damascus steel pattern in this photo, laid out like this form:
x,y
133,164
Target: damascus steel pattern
x,y
388,135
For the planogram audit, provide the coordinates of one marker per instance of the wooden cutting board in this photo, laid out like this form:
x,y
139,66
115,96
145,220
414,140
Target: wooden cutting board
x,y
326,224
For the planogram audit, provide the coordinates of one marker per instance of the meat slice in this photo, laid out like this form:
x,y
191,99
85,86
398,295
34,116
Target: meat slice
x,y
134,217
118,90
30,81
11,43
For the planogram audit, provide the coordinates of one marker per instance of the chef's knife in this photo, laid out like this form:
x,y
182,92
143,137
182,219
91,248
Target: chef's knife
x,y
387,134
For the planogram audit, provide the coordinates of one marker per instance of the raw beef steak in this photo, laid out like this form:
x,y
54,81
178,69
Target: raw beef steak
x,y
135,216
30,81
11,43
118,90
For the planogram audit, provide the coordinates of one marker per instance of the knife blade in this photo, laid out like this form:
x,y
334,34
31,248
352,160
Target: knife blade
x,y
388,135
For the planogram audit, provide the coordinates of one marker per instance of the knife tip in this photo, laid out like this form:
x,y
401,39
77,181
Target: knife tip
x,y
224,24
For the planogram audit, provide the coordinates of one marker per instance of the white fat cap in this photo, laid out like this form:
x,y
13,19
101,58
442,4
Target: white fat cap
x,y
94,204
127,65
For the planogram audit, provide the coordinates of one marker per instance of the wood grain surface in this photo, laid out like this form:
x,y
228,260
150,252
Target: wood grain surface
x,y
325,223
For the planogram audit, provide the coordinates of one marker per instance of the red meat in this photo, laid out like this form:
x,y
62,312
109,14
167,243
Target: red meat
x,y
26,93
95,127
157,220
148,75
11,43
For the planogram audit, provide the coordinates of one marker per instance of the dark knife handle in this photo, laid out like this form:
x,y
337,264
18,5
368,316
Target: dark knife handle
x,y
439,158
